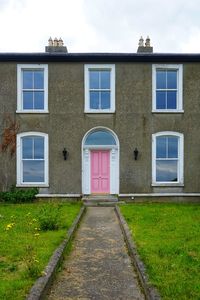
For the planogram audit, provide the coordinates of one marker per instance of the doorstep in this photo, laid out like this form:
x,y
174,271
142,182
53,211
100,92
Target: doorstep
x,y
100,200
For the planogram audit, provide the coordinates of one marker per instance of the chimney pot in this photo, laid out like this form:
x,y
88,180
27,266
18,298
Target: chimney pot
x,y
60,42
55,42
147,44
144,49
50,41
56,46
141,42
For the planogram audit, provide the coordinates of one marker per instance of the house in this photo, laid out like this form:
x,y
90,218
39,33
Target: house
x,y
101,123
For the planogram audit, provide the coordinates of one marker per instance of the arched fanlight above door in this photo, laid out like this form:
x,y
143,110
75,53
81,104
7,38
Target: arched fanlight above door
x,y
100,137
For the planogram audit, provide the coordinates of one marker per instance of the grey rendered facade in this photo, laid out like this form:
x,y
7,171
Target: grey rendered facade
x,y
133,121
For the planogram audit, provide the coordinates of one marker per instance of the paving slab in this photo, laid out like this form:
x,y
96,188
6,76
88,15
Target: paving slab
x,y
99,266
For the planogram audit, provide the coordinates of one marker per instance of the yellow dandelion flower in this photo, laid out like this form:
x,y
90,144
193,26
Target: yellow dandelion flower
x,y
9,226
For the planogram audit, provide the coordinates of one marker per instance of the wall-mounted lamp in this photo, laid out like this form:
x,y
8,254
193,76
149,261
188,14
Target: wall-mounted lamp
x,y
135,152
65,154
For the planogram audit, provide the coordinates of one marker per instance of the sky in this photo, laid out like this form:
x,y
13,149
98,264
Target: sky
x,y
100,25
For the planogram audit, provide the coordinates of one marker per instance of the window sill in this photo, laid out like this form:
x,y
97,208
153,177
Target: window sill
x,y
32,185
167,184
99,111
32,111
167,111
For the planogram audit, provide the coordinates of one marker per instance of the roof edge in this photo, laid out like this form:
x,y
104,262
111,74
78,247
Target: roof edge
x,y
99,57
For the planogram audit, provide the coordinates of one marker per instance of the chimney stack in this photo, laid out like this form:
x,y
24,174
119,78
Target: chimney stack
x,y
55,46
144,49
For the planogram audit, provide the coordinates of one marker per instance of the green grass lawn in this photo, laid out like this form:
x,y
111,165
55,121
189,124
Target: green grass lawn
x,y
25,249
168,241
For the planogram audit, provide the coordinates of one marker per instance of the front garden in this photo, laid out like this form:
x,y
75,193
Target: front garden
x,y
29,233
168,241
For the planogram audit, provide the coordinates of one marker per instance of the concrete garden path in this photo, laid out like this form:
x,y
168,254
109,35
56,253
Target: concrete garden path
x,y
98,266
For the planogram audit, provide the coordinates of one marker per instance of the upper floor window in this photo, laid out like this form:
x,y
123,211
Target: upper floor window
x,y
167,88
32,85
99,88
32,159
167,160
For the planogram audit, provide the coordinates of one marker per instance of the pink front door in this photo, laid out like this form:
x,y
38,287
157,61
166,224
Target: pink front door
x,y
100,171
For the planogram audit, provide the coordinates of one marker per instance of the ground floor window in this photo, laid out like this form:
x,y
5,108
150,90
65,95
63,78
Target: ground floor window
x,y
32,159
167,160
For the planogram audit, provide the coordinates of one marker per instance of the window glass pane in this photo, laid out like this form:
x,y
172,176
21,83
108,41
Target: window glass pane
x,y
27,79
172,147
171,99
105,79
100,138
160,100
33,171
27,100
38,79
172,79
27,147
105,100
38,100
160,79
94,79
166,171
94,100
38,148
161,147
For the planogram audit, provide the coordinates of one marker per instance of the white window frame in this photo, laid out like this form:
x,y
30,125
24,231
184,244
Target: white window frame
x,y
20,68
100,67
180,174
19,160
179,69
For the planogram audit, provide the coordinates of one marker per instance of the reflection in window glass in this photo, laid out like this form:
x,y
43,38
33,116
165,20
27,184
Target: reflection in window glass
x,y
166,89
171,99
28,100
105,80
167,158
161,147
33,171
33,159
160,79
171,79
33,89
172,147
105,100
27,79
38,148
94,100
38,79
94,79
39,100
99,85
100,138
27,147
166,171
160,100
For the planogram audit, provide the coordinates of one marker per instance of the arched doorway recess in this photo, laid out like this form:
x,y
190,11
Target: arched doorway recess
x,y
100,162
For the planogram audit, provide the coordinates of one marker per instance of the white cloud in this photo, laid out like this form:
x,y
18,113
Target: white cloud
x,y
100,25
